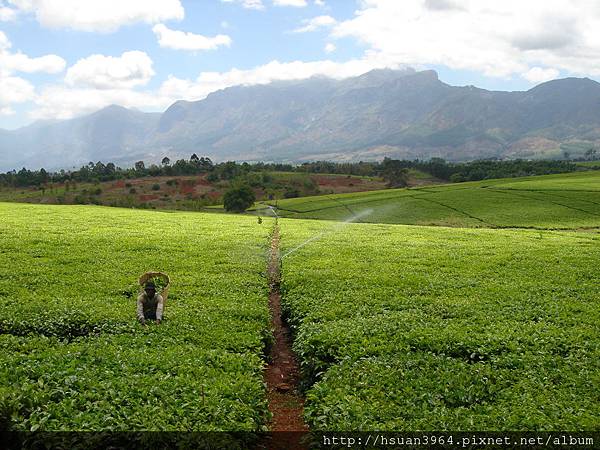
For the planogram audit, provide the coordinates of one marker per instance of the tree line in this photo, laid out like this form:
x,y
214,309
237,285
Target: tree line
x,y
394,171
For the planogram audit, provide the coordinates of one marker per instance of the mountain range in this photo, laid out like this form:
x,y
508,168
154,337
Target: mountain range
x,y
401,114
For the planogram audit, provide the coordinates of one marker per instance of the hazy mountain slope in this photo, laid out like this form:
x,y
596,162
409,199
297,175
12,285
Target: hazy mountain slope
x,y
113,133
398,113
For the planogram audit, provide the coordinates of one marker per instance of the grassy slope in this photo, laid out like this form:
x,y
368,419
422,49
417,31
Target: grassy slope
x,y
408,328
65,270
565,201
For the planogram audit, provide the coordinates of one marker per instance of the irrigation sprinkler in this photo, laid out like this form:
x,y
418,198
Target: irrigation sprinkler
x,y
354,218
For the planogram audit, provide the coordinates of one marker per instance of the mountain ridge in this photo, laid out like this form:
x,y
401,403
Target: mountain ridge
x,y
402,114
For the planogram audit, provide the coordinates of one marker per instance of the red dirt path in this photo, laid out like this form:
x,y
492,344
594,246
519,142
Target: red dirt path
x,y
282,375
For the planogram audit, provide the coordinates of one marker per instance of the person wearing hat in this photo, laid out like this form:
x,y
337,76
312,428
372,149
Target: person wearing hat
x,y
150,304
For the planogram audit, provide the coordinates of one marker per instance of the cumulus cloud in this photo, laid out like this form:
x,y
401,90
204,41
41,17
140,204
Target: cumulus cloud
x,y
540,74
7,14
296,3
103,16
181,40
441,5
15,90
329,47
62,102
498,39
314,23
5,43
133,68
20,62
248,4
208,82
6,111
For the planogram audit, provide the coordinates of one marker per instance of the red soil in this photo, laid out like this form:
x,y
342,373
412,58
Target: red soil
x,y
282,375
337,181
148,197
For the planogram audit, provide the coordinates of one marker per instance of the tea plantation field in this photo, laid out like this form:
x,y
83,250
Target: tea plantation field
x,y
397,327
431,328
73,356
565,201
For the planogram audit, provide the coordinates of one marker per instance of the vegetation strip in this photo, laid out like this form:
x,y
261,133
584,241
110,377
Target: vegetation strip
x,y
282,373
422,197
511,192
547,192
68,271
400,327
489,201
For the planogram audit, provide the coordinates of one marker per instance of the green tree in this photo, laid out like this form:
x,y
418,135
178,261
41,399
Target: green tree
x,y
394,173
239,199
590,154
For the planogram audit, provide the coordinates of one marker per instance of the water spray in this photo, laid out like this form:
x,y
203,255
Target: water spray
x,y
273,210
334,229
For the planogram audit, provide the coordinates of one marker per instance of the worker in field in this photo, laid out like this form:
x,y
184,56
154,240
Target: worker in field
x,y
150,304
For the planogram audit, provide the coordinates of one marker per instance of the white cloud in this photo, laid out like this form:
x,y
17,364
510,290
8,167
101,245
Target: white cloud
x,y
7,111
20,62
63,102
495,38
248,4
296,3
4,42
208,82
60,102
539,74
133,68
15,90
258,4
181,40
319,3
103,16
7,14
329,47
316,22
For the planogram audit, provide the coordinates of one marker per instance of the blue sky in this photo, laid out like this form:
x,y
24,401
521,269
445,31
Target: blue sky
x,y
63,58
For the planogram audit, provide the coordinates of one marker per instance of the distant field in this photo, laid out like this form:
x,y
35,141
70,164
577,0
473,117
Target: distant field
x,y
589,164
73,355
422,328
190,193
565,201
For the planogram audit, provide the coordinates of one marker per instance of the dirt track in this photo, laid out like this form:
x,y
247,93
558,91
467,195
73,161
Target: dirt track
x,y
282,375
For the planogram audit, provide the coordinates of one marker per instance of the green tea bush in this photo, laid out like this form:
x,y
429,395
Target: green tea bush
x,y
565,201
422,328
74,356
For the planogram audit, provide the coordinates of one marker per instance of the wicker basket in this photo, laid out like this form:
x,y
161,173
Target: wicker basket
x,y
149,275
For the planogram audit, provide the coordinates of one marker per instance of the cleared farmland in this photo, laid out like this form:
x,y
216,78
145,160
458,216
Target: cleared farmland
x,y
396,327
565,201
422,328
73,356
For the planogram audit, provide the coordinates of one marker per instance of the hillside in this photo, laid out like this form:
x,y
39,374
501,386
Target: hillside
x,y
564,201
401,114
192,192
